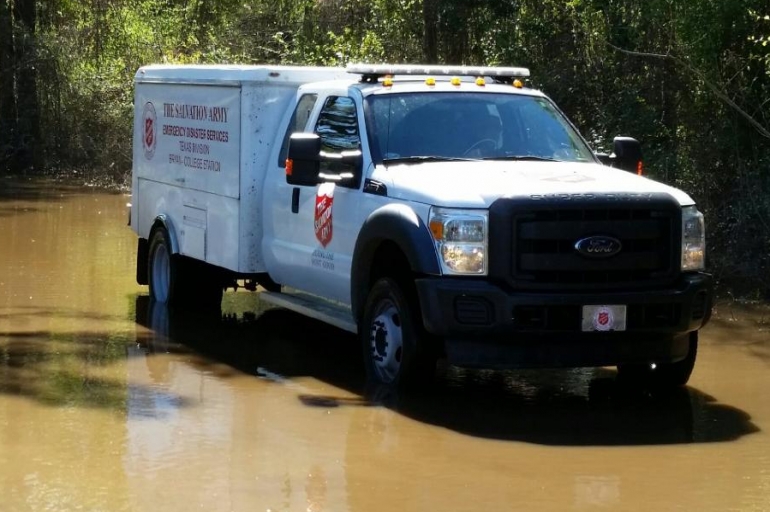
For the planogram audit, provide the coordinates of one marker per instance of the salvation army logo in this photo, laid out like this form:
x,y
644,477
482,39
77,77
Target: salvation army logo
x,y
149,138
324,200
603,319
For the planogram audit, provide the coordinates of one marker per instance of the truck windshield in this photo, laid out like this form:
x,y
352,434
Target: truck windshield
x,y
459,125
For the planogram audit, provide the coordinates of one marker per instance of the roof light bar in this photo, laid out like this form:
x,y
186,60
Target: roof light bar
x,y
380,70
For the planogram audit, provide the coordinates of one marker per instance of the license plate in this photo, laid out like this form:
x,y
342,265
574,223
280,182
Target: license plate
x,y
604,318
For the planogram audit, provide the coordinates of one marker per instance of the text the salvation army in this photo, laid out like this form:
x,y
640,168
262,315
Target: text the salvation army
x,y
195,112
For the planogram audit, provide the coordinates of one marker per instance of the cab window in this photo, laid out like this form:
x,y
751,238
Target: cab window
x,y
337,126
297,123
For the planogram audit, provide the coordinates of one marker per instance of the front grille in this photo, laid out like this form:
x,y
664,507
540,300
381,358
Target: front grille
x,y
547,318
543,239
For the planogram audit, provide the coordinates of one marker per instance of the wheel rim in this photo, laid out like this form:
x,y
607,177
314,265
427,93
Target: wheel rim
x,y
386,341
161,273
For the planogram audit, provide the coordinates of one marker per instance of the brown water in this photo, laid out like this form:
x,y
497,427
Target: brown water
x,y
108,404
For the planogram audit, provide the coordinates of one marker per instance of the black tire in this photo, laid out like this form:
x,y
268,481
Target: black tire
x,y
178,281
663,375
163,270
397,354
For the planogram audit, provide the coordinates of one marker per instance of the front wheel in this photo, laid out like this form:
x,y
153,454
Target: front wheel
x,y
662,375
396,352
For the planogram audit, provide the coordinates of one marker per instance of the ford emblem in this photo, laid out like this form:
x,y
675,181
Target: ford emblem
x,y
598,246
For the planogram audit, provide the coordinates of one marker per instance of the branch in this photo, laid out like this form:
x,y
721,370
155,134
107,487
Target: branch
x,y
761,129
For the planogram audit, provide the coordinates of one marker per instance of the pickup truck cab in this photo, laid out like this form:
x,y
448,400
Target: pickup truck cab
x,y
436,212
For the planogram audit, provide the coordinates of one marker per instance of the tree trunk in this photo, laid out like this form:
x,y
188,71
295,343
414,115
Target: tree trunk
x,y
430,31
26,85
8,117
454,31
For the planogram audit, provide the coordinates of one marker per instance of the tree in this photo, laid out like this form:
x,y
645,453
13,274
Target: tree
x,y
691,79
24,14
8,117
430,31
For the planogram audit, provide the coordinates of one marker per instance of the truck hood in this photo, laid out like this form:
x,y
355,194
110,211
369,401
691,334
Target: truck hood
x,y
478,184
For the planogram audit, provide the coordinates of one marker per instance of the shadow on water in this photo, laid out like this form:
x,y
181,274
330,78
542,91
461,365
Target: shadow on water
x,y
276,342
561,408
21,189
48,312
13,211
37,189
19,193
67,369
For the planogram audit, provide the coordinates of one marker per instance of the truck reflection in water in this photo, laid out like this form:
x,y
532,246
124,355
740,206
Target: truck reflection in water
x,y
282,399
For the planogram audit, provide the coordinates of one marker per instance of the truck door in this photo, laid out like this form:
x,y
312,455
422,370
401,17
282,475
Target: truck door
x,y
315,227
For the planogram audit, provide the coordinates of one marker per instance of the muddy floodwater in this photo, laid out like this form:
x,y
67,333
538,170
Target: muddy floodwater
x,y
109,403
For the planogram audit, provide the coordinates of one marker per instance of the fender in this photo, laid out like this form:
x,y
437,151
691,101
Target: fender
x,y
397,223
164,221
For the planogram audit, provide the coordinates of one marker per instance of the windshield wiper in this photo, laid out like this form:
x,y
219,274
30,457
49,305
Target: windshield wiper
x,y
522,158
427,158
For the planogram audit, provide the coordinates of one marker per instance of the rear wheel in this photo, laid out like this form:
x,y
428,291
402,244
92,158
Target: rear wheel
x,y
162,269
662,375
396,352
175,280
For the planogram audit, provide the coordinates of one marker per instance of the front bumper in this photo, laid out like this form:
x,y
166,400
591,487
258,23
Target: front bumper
x,y
484,324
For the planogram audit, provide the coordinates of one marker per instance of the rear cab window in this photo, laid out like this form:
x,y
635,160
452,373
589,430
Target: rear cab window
x,y
298,122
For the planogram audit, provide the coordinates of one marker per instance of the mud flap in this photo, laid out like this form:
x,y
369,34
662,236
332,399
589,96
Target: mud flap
x,y
142,253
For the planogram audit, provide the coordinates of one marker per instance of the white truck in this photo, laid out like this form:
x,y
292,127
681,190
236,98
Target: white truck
x,y
434,211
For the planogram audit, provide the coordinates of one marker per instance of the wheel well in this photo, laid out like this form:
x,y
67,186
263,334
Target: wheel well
x,y
390,261
383,258
155,226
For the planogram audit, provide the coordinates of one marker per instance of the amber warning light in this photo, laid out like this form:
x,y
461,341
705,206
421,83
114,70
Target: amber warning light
x,y
437,228
289,166
405,69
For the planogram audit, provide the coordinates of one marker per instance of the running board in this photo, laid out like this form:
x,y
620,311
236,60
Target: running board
x,y
313,307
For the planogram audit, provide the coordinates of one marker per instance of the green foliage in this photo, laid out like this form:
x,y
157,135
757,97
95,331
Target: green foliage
x,y
690,79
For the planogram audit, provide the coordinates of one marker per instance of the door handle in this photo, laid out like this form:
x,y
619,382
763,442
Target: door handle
x,y
295,200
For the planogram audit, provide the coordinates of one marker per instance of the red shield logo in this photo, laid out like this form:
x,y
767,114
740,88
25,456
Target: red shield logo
x,y
149,139
324,200
603,319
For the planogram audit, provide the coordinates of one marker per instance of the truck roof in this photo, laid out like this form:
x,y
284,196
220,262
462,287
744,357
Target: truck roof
x,y
410,86
236,74
324,77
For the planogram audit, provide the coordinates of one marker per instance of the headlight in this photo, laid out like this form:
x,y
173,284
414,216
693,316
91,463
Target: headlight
x,y
461,240
693,239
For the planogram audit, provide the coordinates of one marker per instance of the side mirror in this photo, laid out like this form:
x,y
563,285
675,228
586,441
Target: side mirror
x,y
604,158
627,154
302,164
